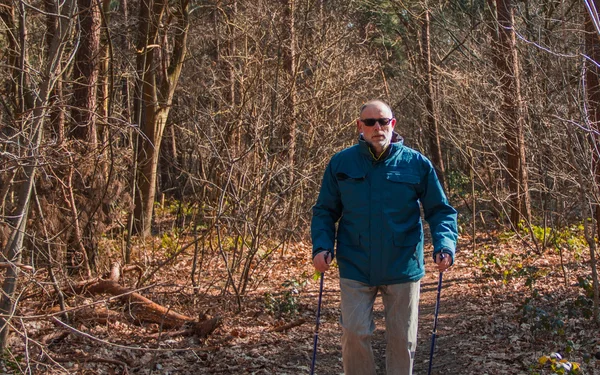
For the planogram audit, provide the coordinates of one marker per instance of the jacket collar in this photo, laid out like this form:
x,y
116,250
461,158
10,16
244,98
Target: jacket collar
x,y
396,144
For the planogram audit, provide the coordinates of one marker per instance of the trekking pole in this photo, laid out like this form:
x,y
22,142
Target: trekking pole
x,y
316,339
435,319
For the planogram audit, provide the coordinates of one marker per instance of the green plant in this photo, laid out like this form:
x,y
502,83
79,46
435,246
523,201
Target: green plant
x,y
571,237
285,303
540,320
506,267
173,207
170,243
587,284
458,182
583,305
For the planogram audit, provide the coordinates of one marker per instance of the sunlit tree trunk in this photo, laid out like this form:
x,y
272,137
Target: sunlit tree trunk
x,y
432,122
158,77
105,76
513,120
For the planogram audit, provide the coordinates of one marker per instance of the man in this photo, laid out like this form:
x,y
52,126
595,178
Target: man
x,y
372,190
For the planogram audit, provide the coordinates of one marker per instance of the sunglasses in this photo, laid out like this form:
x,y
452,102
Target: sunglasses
x,y
372,121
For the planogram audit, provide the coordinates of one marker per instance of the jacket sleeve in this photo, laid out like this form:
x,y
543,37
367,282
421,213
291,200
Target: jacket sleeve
x,y
326,212
438,213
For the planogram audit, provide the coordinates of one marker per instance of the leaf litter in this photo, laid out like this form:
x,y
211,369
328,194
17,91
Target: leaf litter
x,y
490,322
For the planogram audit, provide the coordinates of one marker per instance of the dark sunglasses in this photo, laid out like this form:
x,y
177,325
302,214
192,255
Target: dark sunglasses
x,y
372,121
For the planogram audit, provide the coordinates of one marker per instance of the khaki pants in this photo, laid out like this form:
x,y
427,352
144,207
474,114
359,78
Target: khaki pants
x,y
401,302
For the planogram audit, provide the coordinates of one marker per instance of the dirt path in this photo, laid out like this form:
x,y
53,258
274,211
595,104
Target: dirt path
x,y
480,326
445,358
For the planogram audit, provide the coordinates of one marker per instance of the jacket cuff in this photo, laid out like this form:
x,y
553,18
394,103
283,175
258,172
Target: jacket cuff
x,y
320,250
445,250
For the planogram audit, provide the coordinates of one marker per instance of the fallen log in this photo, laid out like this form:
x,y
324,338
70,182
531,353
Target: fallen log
x,y
144,310
285,327
139,307
116,270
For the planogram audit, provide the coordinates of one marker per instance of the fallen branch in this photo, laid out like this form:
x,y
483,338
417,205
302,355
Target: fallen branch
x,y
116,270
22,266
141,308
285,327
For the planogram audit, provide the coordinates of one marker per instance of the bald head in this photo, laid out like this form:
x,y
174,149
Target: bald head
x,y
378,104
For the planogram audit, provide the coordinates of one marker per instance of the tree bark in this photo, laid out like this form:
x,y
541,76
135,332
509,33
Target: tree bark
x,y
432,122
57,114
289,61
85,73
155,97
105,78
507,63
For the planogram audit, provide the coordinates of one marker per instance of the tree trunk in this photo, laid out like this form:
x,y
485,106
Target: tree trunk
x,y
507,63
57,115
432,123
289,62
85,73
105,79
155,97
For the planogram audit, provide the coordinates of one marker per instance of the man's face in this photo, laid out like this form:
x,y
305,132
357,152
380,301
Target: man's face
x,y
379,136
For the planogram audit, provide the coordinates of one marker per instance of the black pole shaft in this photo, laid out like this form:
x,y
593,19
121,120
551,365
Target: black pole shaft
x,y
435,319
316,339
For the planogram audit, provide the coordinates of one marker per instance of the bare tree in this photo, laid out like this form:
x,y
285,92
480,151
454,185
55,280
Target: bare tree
x,y
36,121
159,66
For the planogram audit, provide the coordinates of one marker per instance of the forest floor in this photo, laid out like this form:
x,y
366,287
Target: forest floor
x,y
502,308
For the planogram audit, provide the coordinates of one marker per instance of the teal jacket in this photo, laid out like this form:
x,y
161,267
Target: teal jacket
x,y
375,203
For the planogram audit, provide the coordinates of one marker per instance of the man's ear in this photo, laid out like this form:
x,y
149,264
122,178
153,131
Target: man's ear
x,y
393,121
358,126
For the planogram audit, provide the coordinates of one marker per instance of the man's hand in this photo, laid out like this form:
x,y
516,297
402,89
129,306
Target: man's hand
x,y
322,260
443,261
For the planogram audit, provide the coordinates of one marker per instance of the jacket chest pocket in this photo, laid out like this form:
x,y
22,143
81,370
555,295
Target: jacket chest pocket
x,y
354,189
401,187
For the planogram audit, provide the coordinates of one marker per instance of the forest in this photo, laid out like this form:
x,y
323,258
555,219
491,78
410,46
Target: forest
x,y
159,161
